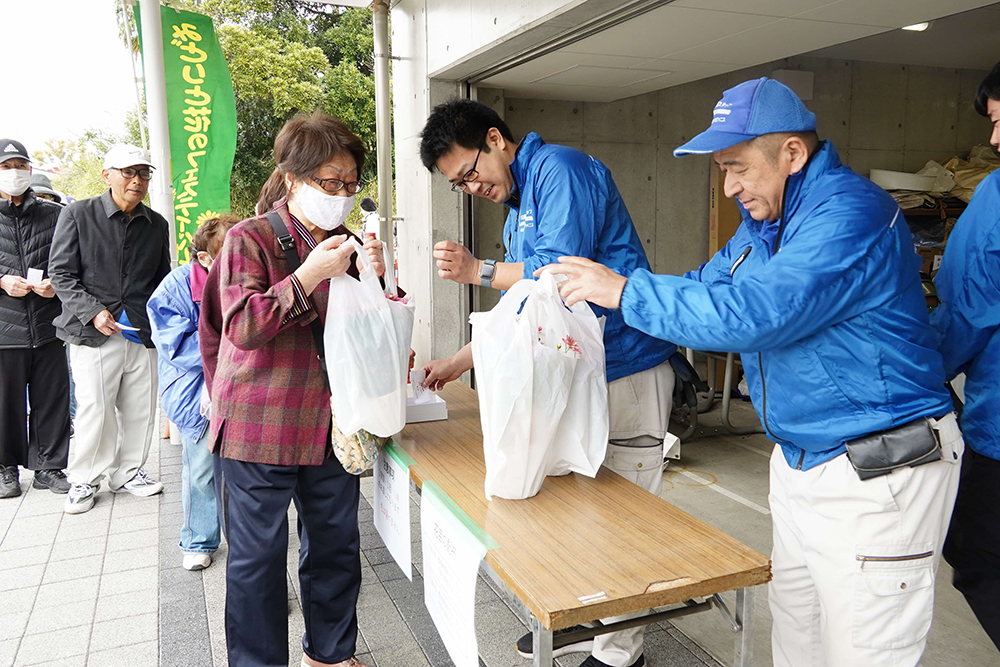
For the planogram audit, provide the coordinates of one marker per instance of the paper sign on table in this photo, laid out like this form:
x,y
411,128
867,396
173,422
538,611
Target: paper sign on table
x,y
34,277
453,546
392,504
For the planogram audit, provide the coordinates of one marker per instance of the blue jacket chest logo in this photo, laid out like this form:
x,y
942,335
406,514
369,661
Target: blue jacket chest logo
x,y
526,220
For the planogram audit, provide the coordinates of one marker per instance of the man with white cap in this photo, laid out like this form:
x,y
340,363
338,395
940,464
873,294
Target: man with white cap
x,y
819,291
30,354
109,253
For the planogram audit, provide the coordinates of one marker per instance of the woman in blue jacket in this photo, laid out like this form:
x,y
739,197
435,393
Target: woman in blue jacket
x,y
173,311
968,320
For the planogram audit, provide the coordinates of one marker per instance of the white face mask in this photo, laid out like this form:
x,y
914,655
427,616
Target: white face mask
x,y
14,181
325,211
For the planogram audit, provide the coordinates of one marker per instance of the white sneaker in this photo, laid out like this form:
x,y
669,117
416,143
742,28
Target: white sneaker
x,y
80,499
194,562
141,485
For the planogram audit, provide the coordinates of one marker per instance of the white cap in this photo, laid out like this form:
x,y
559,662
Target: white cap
x,y
120,156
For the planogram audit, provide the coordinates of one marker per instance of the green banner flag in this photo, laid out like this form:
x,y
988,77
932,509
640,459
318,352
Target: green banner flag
x,y
201,113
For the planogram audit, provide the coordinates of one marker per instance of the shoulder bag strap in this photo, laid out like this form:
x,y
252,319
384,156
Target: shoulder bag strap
x,y
287,244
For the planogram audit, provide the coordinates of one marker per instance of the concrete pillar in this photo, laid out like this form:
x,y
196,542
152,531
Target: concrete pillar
x,y
161,192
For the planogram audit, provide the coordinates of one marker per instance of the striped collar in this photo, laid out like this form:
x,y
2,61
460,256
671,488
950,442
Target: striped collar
x,y
303,232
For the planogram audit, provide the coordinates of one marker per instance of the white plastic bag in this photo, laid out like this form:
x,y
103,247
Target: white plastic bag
x,y
543,394
367,343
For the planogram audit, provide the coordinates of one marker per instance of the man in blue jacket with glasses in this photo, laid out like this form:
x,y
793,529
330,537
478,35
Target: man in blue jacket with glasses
x,y
560,201
819,292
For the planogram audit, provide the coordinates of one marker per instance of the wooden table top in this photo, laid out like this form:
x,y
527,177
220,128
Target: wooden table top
x,y
578,537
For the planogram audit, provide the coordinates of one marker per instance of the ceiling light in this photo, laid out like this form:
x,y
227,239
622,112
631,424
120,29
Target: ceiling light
x,y
918,27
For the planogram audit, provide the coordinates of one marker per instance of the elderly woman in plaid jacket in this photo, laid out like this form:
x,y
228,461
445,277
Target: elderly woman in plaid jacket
x,y
271,408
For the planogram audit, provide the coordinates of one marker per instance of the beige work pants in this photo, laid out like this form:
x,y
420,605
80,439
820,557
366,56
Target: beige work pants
x,y
639,409
116,410
854,562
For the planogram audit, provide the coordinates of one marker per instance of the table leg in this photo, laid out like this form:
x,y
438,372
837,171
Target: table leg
x,y
541,644
712,389
744,617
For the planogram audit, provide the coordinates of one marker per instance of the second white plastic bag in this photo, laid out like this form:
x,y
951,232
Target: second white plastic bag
x,y
367,344
543,397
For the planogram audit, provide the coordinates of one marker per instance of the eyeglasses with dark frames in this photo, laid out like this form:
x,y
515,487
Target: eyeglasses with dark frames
x,y
472,174
129,173
335,185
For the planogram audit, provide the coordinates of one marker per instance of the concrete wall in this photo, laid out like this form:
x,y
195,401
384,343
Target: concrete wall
x,y
877,115
429,210
458,28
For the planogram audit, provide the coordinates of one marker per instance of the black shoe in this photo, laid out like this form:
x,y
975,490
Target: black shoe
x,y
591,661
53,480
560,645
10,484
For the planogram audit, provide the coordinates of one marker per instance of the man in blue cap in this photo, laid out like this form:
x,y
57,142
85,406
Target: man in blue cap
x,y
819,292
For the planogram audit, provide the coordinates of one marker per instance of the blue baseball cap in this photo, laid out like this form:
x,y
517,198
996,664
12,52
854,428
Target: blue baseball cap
x,y
746,111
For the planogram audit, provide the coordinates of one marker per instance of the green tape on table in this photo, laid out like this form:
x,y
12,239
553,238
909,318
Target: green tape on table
x,y
398,455
433,492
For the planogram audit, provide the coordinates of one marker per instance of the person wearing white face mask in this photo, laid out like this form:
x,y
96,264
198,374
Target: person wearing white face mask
x,y
271,418
30,353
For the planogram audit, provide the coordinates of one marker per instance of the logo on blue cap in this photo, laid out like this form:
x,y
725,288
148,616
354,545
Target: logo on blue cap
x,y
746,111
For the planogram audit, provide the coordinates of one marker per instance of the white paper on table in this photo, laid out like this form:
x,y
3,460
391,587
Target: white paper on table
x,y
392,507
421,394
452,553
34,277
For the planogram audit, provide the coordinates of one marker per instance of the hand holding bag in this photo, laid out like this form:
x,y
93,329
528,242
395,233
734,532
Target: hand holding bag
x,y
368,336
542,390
356,452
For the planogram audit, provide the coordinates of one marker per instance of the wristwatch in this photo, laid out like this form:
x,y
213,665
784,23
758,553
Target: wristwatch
x,y
486,272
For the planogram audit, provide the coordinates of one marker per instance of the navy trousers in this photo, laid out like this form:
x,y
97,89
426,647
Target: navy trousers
x,y
973,544
256,498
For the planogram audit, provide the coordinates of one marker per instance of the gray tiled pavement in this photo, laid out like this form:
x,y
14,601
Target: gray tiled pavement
x,y
106,588
79,590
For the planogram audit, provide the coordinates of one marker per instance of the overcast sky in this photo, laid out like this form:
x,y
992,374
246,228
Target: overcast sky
x,y
66,70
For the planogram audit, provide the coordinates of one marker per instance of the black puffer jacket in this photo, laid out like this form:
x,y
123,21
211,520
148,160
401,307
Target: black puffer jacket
x,y
25,237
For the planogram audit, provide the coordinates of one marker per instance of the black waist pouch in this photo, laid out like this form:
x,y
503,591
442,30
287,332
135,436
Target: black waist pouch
x,y
912,444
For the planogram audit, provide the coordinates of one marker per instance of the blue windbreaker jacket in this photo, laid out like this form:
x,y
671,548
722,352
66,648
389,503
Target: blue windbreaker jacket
x,y
968,318
566,203
832,327
173,318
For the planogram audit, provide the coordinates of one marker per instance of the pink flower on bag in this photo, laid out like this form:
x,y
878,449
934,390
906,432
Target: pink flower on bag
x,y
571,345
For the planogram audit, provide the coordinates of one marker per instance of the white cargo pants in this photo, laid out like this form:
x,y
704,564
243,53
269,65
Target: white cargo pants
x,y
854,561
